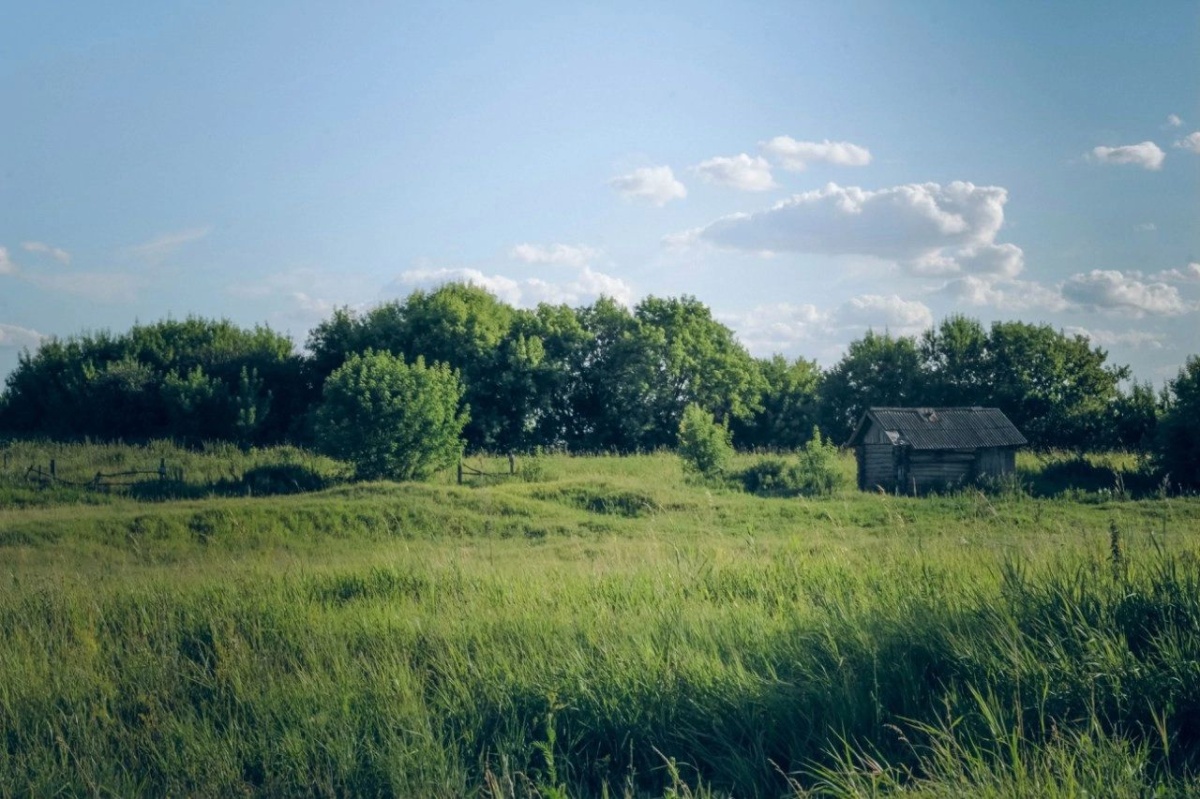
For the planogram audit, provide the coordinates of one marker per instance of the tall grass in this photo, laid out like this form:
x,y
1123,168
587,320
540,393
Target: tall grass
x,y
609,628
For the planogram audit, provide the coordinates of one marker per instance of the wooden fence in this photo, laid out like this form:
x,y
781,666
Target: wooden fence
x,y
470,471
101,481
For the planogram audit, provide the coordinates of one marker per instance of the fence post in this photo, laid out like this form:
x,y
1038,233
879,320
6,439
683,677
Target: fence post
x,y
162,470
512,464
460,471
53,470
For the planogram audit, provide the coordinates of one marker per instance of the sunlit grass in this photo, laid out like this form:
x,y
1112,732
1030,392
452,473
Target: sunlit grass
x,y
608,626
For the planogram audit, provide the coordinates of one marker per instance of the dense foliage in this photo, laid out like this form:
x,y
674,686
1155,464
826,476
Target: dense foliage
x,y
597,378
391,419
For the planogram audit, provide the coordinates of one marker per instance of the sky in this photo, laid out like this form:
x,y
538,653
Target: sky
x,y
809,170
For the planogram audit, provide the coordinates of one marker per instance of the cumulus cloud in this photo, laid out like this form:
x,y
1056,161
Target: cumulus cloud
x,y
785,327
654,183
587,286
928,228
1006,295
797,155
778,327
57,253
7,267
577,255
1173,121
157,249
739,172
1190,142
1115,291
1188,274
1147,155
13,337
1131,339
900,316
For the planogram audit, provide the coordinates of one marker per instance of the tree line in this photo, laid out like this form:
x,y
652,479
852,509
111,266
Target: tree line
x,y
600,377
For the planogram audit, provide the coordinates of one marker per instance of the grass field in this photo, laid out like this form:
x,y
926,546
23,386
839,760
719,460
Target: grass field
x,y
602,628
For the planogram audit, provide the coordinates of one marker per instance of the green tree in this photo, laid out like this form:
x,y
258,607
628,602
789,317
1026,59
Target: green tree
x,y
695,359
1177,440
391,419
1057,389
787,406
877,370
954,363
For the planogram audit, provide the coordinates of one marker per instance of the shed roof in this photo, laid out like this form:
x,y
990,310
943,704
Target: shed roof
x,y
942,428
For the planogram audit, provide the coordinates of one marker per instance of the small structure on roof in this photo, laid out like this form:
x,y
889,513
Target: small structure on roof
x,y
912,450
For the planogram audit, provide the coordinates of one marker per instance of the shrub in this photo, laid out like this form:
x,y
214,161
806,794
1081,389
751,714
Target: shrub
x,y
816,471
391,419
767,476
704,445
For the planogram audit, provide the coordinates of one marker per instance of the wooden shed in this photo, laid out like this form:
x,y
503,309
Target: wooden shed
x,y
912,450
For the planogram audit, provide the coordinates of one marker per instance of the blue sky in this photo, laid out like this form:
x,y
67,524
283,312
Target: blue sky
x,y
808,170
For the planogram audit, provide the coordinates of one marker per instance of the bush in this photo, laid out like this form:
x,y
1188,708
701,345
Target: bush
x,y
814,472
704,445
391,419
817,469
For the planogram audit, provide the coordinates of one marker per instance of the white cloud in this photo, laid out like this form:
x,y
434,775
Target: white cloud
x,y
158,248
1115,291
778,327
1147,155
739,172
654,183
797,155
587,286
57,253
903,317
1190,142
928,228
1189,274
577,255
1145,227
13,337
1173,121
1006,295
1131,339
7,267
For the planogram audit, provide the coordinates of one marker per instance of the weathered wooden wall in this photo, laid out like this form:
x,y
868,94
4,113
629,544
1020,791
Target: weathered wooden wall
x,y
877,466
937,469
996,462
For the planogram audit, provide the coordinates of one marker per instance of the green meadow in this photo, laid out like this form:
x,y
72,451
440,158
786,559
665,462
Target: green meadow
x,y
254,625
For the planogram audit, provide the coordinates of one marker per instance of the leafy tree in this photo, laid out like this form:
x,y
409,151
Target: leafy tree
x,y
704,444
695,359
877,370
391,419
1057,389
145,382
816,471
1177,441
1134,418
787,406
613,395
954,363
